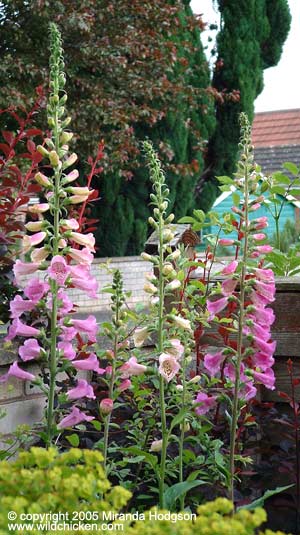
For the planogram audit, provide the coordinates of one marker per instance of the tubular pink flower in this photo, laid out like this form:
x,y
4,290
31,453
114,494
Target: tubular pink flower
x,y
58,269
212,362
36,289
17,328
230,372
259,300
230,268
68,333
30,350
260,332
248,391
24,268
262,249
91,363
267,290
15,371
205,403
259,236
124,385
266,347
260,222
81,279
83,256
18,306
88,240
176,349
262,361
265,316
228,286
225,241
254,207
88,326
214,307
168,366
39,255
65,305
69,352
43,180
267,378
106,406
131,367
82,390
75,417
265,275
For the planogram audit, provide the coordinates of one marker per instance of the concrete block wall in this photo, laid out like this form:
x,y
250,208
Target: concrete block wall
x,y
24,405
133,269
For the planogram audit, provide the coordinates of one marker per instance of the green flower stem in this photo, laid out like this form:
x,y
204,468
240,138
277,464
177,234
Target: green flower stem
x,y
54,284
182,433
160,350
110,395
239,355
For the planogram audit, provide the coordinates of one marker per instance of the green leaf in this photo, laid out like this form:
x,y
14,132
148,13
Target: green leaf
x,y
178,419
225,179
176,491
73,439
200,215
260,501
281,178
236,199
225,188
279,190
148,457
291,167
96,424
186,219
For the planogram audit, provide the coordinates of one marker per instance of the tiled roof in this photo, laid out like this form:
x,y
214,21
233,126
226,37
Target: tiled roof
x,y
271,158
275,128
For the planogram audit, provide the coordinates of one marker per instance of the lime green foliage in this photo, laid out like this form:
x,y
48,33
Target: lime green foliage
x,y
43,481
214,518
250,40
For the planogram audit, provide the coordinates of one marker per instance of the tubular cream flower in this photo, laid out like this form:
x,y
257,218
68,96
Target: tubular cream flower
x,y
83,256
131,367
156,445
33,240
69,224
39,255
140,335
176,349
182,322
38,208
35,226
168,366
24,268
71,176
43,180
173,285
75,417
150,288
87,240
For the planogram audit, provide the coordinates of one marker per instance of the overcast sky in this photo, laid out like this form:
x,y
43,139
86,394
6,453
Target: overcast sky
x,y
281,89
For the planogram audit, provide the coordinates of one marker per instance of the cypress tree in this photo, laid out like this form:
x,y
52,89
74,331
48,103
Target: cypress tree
x,y
250,40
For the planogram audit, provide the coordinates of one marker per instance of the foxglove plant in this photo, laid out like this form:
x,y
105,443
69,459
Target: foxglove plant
x,y
166,280
56,340
247,289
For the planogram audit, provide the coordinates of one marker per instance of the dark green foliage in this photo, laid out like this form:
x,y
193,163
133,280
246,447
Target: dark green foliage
x,y
251,39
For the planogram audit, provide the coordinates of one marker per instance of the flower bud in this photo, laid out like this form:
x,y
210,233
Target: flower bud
x,y
66,137
179,388
35,226
49,143
195,379
170,218
150,288
106,406
167,269
152,222
44,152
167,235
54,159
43,180
173,285
175,255
70,161
185,426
